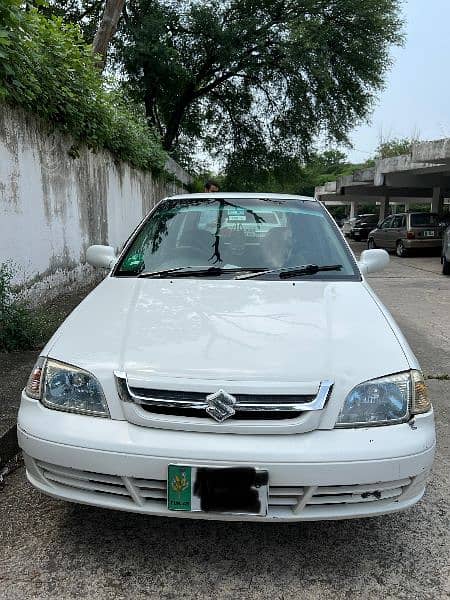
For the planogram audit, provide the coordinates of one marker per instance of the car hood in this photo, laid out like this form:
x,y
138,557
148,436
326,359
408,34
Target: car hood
x,y
249,330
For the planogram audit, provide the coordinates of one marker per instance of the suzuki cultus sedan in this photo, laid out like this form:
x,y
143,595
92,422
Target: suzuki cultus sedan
x,y
234,364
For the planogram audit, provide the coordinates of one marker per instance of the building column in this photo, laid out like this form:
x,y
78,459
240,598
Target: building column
x,y
437,202
353,209
384,208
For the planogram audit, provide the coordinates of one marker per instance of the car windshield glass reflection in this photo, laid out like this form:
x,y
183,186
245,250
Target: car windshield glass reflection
x,y
237,234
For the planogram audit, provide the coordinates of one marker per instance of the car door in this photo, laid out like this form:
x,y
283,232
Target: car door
x,y
381,234
396,230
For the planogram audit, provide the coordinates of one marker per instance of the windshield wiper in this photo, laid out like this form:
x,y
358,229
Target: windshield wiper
x,y
286,272
160,273
195,272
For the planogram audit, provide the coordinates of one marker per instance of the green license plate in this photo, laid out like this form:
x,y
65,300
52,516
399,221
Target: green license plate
x,y
229,490
179,488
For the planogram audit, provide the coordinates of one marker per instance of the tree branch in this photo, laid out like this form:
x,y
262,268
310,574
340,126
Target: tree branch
x,y
107,29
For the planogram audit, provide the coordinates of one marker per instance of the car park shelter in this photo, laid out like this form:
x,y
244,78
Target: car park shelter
x,y
417,178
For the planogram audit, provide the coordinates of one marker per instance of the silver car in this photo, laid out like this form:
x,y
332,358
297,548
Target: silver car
x,y
407,231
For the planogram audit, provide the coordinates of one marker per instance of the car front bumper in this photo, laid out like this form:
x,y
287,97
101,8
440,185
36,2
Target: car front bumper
x,y
324,474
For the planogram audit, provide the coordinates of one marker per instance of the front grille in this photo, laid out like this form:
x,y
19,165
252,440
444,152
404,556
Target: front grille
x,y
246,406
307,499
284,500
124,490
200,396
239,416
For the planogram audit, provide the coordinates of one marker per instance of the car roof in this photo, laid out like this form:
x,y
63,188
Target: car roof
x,y
242,195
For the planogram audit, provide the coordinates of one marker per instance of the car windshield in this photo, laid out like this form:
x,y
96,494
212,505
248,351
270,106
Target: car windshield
x,y
238,234
371,218
424,220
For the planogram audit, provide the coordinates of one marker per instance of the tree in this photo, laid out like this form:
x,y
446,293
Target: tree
x,y
107,29
284,174
265,74
97,19
389,147
84,13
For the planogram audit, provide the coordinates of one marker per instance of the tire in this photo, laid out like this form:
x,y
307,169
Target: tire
x,y
445,266
400,249
371,244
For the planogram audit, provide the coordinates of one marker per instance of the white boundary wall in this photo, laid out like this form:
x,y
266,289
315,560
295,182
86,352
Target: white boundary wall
x,y
52,206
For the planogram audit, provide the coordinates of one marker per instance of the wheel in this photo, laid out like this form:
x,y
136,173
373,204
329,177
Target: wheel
x,y
371,244
445,266
401,250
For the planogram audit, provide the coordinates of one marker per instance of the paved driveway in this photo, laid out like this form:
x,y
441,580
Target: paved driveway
x,y
53,550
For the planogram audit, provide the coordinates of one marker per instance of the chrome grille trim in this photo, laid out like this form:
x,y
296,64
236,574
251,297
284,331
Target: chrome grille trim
x,y
168,399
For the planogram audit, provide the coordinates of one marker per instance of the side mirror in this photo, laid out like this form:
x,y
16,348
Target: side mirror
x,y
372,261
101,256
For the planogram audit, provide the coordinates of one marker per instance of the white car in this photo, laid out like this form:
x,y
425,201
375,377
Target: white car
x,y
217,375
347,226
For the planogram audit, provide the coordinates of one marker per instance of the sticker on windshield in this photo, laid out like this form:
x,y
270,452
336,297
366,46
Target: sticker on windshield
x,y
236,214
133,262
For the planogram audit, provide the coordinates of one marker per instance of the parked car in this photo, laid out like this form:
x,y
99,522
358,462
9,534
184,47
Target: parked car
x,y
363,226
206,380
407,231
347,225
445,255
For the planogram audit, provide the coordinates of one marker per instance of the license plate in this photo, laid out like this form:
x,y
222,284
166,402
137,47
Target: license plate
x,y
230,490
428,233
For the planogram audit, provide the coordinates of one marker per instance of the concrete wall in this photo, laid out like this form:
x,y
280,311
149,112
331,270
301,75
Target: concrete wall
x,y
52,206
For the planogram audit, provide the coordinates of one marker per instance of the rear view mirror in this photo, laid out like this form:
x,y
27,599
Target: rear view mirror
x,y
101,256
372,261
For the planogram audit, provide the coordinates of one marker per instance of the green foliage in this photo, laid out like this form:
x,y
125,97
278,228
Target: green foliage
x,y
281,174
48,69
23,327
18,326
272,74
199,179
84,13
395,147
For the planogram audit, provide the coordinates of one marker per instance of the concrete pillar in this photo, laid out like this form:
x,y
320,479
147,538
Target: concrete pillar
x,y
384,208
437,202
353,209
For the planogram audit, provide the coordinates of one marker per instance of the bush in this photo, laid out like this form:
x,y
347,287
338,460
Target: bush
x,y
48,69
19,328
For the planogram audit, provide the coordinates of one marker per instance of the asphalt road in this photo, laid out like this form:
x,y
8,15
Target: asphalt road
x,y
49,549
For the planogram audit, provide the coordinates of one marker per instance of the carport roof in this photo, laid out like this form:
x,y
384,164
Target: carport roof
x,y
410,176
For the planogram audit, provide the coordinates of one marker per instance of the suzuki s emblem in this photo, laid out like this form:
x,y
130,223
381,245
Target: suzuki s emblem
x,y
221,405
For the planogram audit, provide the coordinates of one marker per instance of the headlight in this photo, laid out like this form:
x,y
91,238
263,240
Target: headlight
x,y
63,387
385,401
